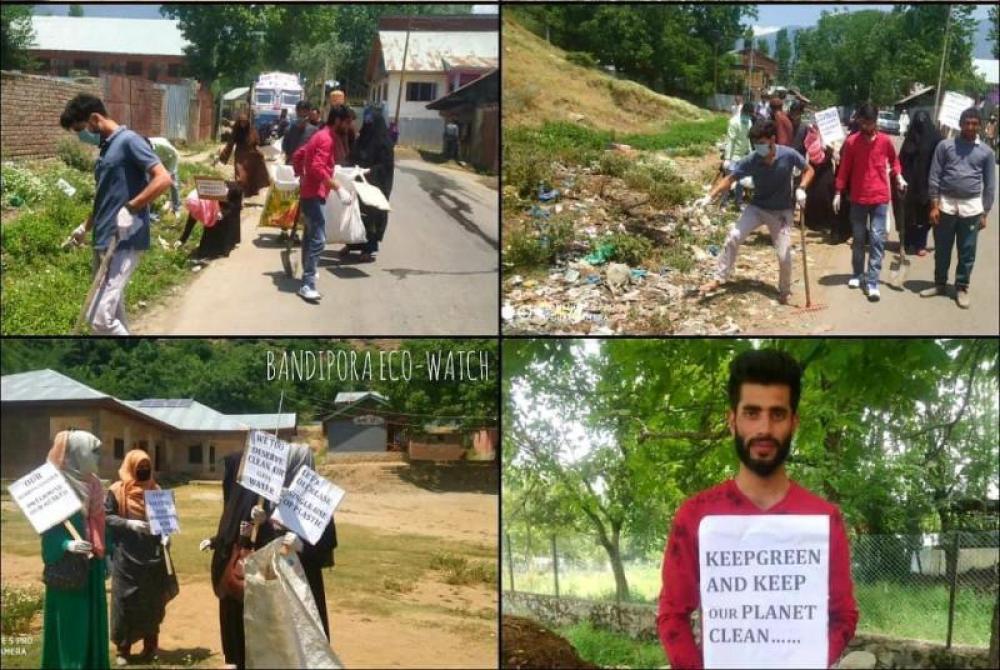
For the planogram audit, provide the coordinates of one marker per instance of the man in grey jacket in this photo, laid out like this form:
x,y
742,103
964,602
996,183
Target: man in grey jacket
x,y
961,189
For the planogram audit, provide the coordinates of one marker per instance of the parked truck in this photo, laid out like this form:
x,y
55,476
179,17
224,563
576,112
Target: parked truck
x,y
272,92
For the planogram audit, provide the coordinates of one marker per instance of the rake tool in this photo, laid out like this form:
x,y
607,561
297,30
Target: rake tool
x,y
810,307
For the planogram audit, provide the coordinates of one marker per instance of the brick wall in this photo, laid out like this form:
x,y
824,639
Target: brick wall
x,y
420,451
29,113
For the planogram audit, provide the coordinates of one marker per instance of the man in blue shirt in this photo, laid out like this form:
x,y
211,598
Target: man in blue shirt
x,y
129,177
771,166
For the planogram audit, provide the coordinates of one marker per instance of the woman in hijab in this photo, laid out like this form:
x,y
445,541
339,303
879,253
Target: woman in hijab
x,y
139,573
240,508
251,171
915,156
75,626
373,150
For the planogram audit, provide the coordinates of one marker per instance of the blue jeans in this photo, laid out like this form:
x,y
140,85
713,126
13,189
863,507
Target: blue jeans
x,y
313,238
859,230
961,232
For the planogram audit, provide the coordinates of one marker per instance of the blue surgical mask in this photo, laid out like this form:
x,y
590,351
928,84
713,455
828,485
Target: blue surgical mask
x,y
89,137
762,149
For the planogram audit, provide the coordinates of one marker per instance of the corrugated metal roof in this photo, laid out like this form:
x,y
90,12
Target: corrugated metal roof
x,y
236,93
355,396
190,416
266,421
430,51
151,37
39,385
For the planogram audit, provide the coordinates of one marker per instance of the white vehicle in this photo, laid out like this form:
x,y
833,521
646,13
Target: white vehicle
x,y
273,92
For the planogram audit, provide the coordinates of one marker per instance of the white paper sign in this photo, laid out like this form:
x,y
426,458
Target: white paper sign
x,y
952,106
308,505
830,130
764,586
161,512
264,464
45,497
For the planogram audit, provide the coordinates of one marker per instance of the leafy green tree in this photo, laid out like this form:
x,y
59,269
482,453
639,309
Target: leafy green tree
x,y
783,54
995,31
75,10
16,36
763,46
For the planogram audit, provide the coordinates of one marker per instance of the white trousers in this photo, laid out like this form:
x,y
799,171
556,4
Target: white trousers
x,y
107,312
779,224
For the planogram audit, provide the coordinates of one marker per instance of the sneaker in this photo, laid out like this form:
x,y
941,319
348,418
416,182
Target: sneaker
x,y
121,661
933,291
309,293
854,282
873,294
962,298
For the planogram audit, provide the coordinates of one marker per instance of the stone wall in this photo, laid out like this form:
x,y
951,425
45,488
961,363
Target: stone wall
x,y
639,622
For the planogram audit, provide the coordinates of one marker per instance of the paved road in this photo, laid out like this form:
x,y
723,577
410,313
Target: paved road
x,y
436,273
903,311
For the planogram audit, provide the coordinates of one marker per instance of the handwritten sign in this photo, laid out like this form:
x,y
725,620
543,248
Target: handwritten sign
x,y
45,497
764,587
161,512
264,464
308,504
952,106
828,122
211,188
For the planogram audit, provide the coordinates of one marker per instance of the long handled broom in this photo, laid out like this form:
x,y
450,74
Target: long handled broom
x,y
810,307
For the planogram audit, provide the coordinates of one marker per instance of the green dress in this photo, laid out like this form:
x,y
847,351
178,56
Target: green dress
x,y
75,630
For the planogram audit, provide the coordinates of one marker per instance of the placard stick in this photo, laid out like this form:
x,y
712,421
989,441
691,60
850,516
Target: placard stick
x,y
76,535
166,557
260,499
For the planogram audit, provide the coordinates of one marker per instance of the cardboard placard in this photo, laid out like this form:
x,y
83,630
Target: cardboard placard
x,y
211,188
952,106
161,512
830,130
264,463
764,587
308,504
45,497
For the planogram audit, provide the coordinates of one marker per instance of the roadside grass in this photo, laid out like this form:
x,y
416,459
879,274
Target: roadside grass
x,y
43,284
613,650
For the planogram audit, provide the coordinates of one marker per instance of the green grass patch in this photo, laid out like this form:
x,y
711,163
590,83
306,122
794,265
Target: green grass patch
x,y
613,650
921,612
537,242
459,570
689,136
18,606
44,285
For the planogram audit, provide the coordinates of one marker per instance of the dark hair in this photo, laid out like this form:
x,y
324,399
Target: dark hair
x,y
762,129
337,113
970,113
79,109
748,109
302,105
867,112
797,107
769,367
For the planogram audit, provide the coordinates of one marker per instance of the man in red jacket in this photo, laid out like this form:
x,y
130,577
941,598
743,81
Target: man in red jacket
x,y
764,389
863,162
313,163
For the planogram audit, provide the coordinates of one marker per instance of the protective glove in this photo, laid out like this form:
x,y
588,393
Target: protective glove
x,y
78,233
127,224
344,195
292,541
726,164
901,183
836,204
702,203
800,197
136,526
258,515
205,544
80,547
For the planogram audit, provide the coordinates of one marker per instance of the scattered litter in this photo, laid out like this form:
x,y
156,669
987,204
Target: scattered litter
x,y
540,213
601,255
617,275
571,276
547,196
713,249
639,273
507,312
66,187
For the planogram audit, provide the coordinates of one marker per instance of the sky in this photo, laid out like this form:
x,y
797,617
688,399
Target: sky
x,y
142,11
808,14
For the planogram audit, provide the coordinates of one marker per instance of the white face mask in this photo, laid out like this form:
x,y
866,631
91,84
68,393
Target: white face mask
x,y
762,149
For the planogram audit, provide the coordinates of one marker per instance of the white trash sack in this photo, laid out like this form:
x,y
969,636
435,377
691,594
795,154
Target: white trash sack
x,y
282,624
343,222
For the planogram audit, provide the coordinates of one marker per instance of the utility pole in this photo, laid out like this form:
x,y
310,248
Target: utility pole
x,y
944,59
402,68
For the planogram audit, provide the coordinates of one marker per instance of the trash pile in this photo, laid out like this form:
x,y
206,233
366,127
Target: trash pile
x,y
586,292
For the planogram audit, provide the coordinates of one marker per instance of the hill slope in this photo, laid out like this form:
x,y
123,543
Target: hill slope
x,y
540,84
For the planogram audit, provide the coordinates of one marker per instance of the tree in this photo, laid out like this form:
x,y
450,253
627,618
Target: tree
x,y
16,35
783,54
75,10
763,46
995,31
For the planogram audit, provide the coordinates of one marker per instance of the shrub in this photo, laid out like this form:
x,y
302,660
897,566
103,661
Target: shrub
x,y
539,244
19,605
582,58
629,249
76,154
19,183
614,164
664,186
459,570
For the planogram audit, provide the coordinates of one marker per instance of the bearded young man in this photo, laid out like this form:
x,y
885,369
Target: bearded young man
x,y
764,390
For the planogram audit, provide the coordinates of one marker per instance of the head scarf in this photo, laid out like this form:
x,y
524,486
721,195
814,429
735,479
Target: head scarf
x,y
129,490
298,455
69,452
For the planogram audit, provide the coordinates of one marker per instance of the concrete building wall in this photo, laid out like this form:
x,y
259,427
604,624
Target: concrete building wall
x,y
162,69
345,436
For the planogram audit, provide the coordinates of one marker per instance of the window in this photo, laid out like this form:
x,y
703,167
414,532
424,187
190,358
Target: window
x,y
81,64
119,448
154,72
174,70
211,457
194,454
133,68
420,91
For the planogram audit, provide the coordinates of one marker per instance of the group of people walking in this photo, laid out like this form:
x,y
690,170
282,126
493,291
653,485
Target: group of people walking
x,y
116,538
934,183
